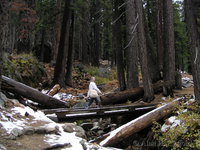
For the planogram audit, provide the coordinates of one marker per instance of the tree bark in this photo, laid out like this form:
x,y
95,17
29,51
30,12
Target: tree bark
x,y
117,35
138,124
192,29
31,93
2,15
151,53
159,34
147,83
68,79
169,53
42,48
132,45
57,30
85,34
60,68
130,94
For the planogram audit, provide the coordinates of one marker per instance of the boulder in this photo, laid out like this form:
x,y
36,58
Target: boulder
x,y
17,132
72,127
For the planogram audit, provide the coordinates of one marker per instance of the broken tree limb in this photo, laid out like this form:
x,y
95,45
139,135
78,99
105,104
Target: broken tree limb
x,y
138,124
28,92
131,94
54,90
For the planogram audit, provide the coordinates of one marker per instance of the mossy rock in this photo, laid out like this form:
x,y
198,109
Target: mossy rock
x,y
24,68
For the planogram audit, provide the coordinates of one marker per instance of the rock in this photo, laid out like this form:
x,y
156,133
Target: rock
x,y
71,127
172,119
165,128
83,143
17,132
2,103
29,131
46,130
104,72
100,132
80,132
3,97
2,147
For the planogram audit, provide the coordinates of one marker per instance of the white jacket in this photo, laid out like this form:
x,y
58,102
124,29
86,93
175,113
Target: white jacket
x,y
92,88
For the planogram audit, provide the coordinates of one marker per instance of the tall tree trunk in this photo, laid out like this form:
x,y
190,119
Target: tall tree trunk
x,y
42,49
151,53
95,38
60,68
191,22
85,34
96,50
132,45
2,18
169,53
159,26
118,47
57,30
147,83
70,58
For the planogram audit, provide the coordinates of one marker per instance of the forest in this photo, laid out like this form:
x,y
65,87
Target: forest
x,y
140,51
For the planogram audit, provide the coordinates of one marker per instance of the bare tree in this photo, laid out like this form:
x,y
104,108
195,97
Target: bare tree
x,y
191,22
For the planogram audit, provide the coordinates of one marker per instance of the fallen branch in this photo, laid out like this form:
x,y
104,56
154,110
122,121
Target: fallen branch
x,y
138,124
28,92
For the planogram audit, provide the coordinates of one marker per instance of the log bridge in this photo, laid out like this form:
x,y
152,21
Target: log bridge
x,y
98,112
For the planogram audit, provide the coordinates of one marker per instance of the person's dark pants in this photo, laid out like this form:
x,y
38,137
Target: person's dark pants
x,y
91,100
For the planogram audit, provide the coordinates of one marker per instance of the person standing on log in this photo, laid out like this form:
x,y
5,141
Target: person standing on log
x,y
93,93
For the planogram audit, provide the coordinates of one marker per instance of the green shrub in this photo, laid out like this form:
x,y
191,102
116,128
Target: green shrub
x,y
93,71
100,80
24,68
185,136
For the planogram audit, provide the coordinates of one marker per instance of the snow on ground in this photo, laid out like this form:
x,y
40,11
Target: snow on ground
x,y
24,117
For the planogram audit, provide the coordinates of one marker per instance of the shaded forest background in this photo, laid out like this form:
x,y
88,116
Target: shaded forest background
x,y
157,38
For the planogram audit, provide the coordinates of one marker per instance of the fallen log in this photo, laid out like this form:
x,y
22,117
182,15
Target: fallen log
x,y
28,92
137,124
54,90
130,94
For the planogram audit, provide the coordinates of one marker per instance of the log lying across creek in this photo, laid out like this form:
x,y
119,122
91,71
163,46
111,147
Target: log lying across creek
x,y
131,94
137,124
28,92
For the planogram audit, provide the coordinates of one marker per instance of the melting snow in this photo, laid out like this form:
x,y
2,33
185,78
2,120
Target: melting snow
x,y
9,122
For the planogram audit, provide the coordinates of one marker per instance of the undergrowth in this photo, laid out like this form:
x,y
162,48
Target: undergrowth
x,y
103,75
184,136
24,68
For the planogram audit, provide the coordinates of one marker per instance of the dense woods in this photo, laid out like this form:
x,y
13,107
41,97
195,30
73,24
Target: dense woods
x,y
153,38
138,55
